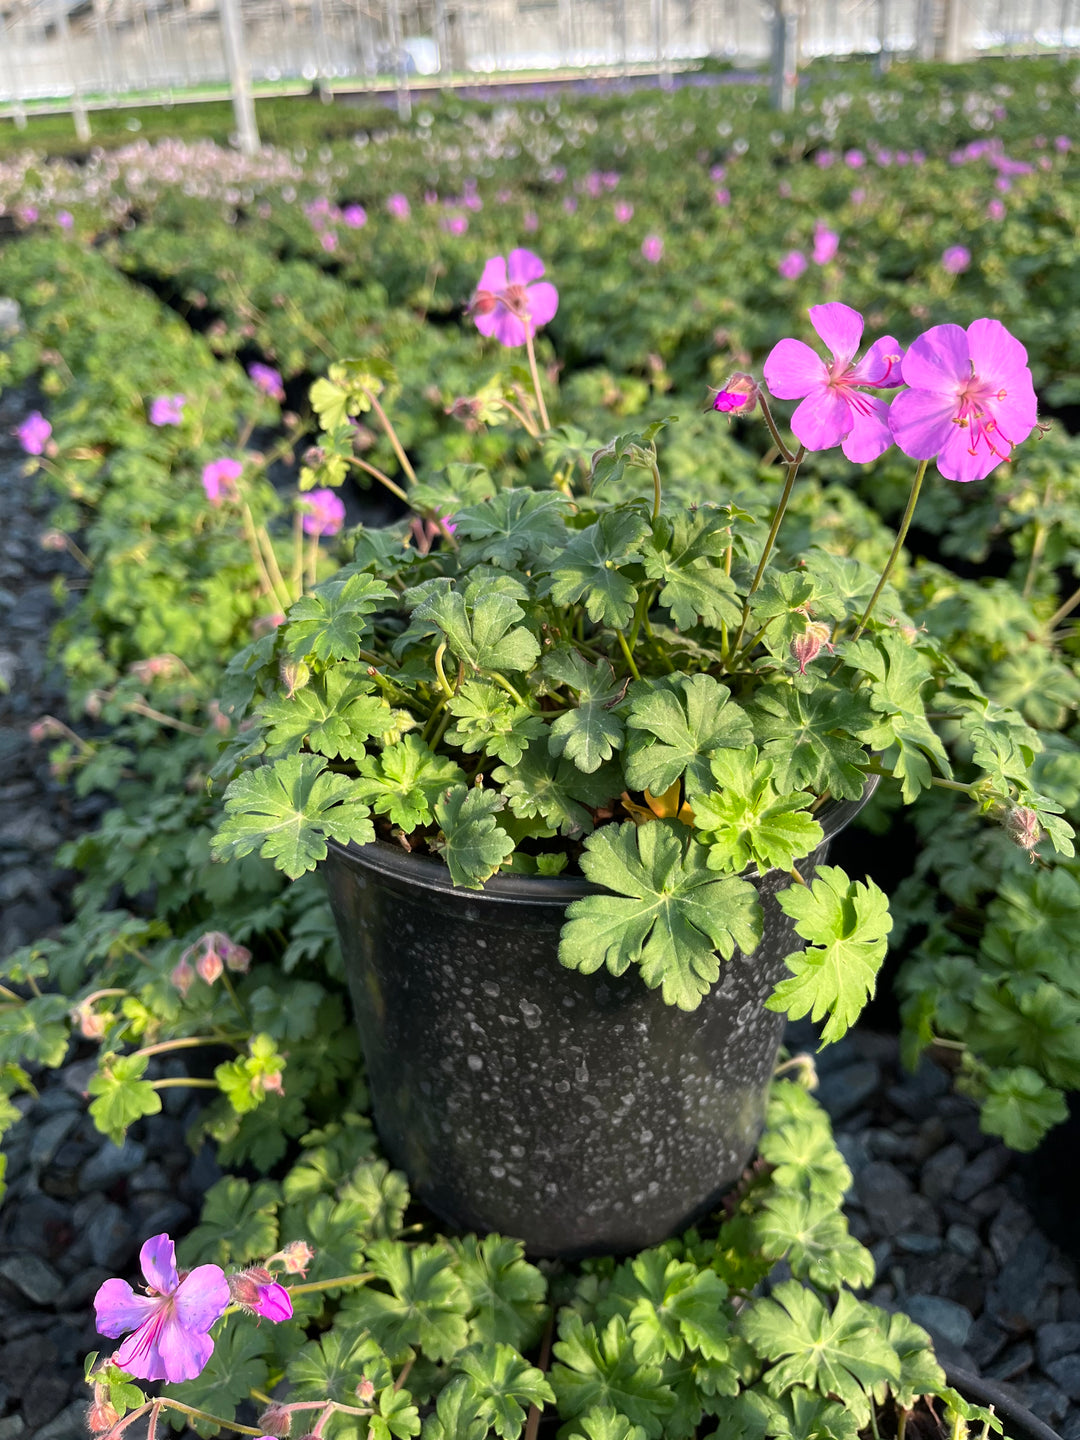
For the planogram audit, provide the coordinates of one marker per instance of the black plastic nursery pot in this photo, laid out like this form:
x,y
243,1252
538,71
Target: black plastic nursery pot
x,y
578,1113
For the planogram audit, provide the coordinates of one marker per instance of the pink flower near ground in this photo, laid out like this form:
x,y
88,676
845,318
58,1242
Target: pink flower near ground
x,y
569,205
530,222
398,207
219,479
792,265
854,159
722,196
624,211
167,410
835,408
323,511
65,219
995,210
956,259
266,379
34,433
455,224
354,216
652,247
970,401
511,300
329,241
826,243
169,1325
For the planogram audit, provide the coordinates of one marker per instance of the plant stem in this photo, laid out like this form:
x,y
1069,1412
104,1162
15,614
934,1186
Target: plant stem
x,y
381,476
628,654
257,555
901,1425
785,453
793,463
311,1286
204,1415
532,1424
544,421
1038,544
898,545
504,684
400,1381
1062,611
297,586
179,1080
391,435
188,1043
139,707
312,562
521,417
656,489
447,688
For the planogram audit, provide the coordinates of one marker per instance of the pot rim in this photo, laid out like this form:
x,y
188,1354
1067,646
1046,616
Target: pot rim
x,y
426,872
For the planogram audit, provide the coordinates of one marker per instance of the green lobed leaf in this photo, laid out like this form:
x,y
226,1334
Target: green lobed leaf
x,y
600,1369
591,732
123,1096
668,912
846,923
503,1384
511,527
901,730
238,1224
506,1293
334,715
813,1235
680,723
1020,1107
556,790
235,1368
285,811
424,1307
588,569
604,1423
745,820
481,628
680,555
331,622
920,1374
470,840
35,1031
843,1353
798,734
487,719
404,781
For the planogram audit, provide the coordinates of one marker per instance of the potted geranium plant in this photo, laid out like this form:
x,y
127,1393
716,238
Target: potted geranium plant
x,y
571,754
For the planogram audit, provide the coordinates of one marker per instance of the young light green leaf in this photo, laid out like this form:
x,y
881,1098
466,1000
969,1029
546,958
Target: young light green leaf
x,y
426,1305
330,623
745,820
844,1353
591,732
396,1415
506,1293
35,1032
604,1423
601,1369
805,1156
803,1415
679,555
503,1384
556,790
333,716
920,1374
487,719
513,526
680,1306
404,781
589,568
846,923
668,912
679,724
378,1197
331,1367
901,730
481,630
470,840
123,1096
813,1234
285,811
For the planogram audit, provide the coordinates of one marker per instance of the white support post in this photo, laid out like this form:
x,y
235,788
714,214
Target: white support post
x,y
232,35
785,55
404,99
78,107
884,56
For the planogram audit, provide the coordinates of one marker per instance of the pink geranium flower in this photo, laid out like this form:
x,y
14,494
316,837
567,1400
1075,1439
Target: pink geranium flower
x,y
624,211
398,206
652,247
956,259
354,216
219,479
970,402
167,410
835,408
266,379
323,511
509,303
169,1325
34,433
792,265
826,243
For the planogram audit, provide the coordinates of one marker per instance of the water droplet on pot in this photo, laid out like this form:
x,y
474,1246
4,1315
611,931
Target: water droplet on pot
x,y
561,1087
498,1171
530,1013
491,989
474,1062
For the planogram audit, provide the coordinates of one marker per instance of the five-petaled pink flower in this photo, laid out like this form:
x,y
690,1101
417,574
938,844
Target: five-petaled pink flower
x,y
652,247
956,259
826,243
792,265
509,303
835,408
34,433
398,206
219,478
167,410
970,401
323,511
169,1325
266,379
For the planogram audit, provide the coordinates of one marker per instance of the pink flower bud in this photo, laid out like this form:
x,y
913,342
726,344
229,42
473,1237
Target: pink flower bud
x,y
53,540
100,1416
739,395
296,1257
90,1025
1022,824
365,1391
209,965
182,975
276,1420
807,646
